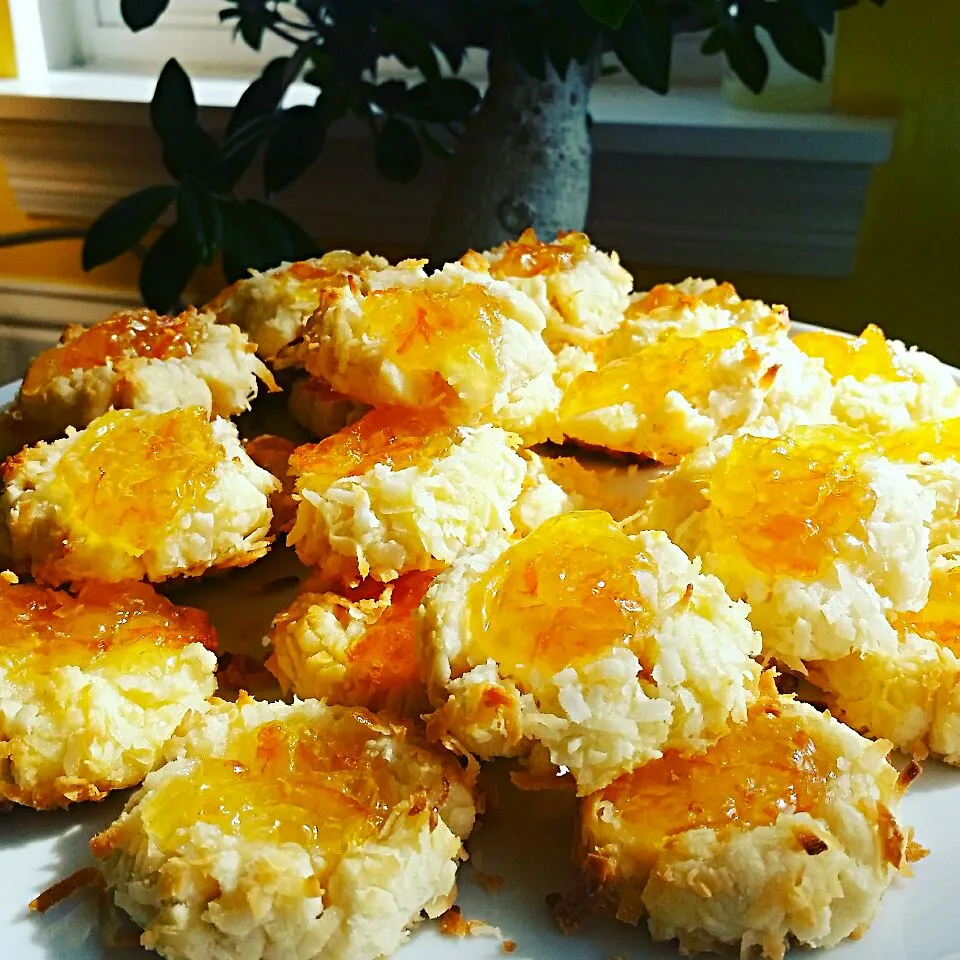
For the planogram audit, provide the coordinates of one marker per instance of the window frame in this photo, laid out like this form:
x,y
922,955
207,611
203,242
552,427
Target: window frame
x,y
191,31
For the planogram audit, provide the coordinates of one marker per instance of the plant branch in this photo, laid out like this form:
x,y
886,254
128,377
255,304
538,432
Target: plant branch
x,y
44,235
299,58
287,22
283,35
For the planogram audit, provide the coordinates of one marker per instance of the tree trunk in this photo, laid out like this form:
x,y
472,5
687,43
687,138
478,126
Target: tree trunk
x,y
524,161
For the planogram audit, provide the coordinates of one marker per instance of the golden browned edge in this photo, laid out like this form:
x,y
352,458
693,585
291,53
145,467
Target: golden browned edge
x,y
81,879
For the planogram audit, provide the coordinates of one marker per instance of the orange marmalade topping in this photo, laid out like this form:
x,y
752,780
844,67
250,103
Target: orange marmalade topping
x,y
566,593
667,295
385,657
106,626
938,439
868,355
768,766
128,333
790,504
130,474
290,781
528,257
939,620
332,267
453,334
397,437
684,364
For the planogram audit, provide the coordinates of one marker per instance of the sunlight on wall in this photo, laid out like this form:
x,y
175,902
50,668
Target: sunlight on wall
x,y
901,60
8,60
58,260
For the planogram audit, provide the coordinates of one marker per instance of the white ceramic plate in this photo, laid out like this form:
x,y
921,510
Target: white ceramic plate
x,y
527,842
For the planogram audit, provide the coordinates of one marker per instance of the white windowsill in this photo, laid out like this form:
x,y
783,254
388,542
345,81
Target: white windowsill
x,y
691,121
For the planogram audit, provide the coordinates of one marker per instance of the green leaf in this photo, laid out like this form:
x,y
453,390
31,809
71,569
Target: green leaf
x,y
140,14
390,96
447,25
250,134
198,214
644,44
261,97
203,153
611,13
441,101
570,35
294,147
409,45
561,35
528,45
166,270
238,153
453,53
797,40
322,68
821,13
337,99
173,109
254,238
397,151
121,226
173,113
713,43
746,57
253,21
302,245
195,155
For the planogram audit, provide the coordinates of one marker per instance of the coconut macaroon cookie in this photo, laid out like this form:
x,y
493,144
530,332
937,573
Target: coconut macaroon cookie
x,y
679,392
92,686
136,495
272,307
457,339
301,831
582,291
910,695
880,384
930,452
356,646
596,648
783,831
688,309
819,532
402,490
134,359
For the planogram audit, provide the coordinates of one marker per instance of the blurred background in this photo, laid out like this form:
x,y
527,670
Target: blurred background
x,y
842,203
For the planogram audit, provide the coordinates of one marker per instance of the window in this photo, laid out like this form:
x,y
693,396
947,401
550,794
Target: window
x,y
191,31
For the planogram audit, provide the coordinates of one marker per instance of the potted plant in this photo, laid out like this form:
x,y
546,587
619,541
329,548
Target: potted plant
x,y
519,151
